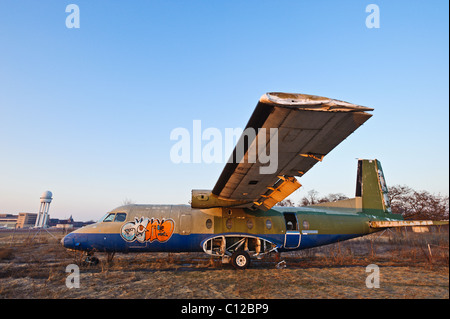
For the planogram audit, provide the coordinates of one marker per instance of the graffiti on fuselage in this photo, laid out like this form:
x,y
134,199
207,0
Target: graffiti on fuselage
x,y
148,229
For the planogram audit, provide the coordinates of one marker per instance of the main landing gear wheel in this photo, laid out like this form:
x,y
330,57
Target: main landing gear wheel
x,y
240,259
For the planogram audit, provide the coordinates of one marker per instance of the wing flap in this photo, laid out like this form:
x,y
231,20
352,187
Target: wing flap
x,y
282,189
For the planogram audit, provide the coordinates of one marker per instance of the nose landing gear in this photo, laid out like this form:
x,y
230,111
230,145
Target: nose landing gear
x,y
90,260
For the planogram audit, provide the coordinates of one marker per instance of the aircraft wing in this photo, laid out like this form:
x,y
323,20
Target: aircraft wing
x,y
292,132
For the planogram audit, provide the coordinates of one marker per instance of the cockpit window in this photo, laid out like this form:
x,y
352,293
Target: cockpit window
x,y
120,217
102,218
109,218
114,217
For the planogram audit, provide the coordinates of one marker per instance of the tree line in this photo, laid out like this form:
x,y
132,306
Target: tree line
x,y
410,203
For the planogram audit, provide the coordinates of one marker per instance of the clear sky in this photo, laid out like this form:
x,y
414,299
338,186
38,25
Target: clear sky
x,y
87,112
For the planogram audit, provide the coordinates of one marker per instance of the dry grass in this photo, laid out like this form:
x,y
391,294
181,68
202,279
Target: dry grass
x,y
36,269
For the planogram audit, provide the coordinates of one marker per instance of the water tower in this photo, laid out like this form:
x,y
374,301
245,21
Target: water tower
x,y
42,218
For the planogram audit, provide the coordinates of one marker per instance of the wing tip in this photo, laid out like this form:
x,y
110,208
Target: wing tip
x,y
299,100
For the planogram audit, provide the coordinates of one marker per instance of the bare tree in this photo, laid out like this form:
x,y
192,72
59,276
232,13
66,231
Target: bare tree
x,y
127,201
411,204
332,198
400,197
286,203
313,198
414,204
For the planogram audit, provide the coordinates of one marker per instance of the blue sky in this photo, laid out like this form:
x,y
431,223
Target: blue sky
x,y
87,113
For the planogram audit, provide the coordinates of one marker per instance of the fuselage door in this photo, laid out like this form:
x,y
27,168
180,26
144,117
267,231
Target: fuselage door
x,y
292,237
185,224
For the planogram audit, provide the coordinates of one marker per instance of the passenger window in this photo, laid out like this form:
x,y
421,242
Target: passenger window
x,y
109,218
305,225
120,217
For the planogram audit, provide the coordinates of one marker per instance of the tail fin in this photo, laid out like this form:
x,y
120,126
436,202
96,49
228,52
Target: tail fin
x,y
371,186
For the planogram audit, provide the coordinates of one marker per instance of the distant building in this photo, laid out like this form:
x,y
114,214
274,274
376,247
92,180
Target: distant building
x,y
8,220
64,226
80,224
65,223
23,220
52,222
26,220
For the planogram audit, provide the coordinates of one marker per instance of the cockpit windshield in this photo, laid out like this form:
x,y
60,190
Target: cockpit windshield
x,y
120,217
109,218
103,217
113,217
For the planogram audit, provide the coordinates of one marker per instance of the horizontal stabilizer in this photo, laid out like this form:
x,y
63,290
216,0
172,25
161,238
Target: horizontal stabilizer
x,y
403,223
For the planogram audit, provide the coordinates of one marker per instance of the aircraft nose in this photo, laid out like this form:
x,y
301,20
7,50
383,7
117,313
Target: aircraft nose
x,y
67,241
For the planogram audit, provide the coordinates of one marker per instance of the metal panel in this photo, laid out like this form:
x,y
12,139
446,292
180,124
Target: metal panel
x,y
185,224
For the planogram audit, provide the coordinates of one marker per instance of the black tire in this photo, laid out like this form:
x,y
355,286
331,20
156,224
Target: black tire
x,y
95,261
240,259
90,261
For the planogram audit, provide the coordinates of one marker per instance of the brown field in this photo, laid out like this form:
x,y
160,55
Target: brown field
x,y
411,266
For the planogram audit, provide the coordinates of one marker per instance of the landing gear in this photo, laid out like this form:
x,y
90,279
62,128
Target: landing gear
x,y
110,257
240,259
238,249
90,260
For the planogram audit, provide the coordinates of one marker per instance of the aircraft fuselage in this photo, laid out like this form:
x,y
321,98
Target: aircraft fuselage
x,y
180,228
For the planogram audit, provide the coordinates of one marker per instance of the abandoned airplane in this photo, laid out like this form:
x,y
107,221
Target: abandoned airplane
x,y
237,220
